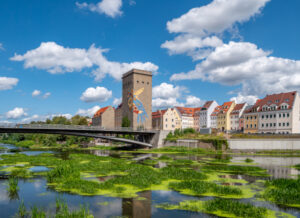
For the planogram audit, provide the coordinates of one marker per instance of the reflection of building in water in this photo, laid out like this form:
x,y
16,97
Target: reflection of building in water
x,y
100,153
137,208
277,167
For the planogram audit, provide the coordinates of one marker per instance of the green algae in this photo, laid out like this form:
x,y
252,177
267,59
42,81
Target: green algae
x,y
225,208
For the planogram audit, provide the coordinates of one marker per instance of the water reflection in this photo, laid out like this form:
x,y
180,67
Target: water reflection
x,y
137,207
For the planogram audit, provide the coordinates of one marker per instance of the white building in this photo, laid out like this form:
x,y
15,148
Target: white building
x,y
205,114
279,113
236,115
186,117
214,117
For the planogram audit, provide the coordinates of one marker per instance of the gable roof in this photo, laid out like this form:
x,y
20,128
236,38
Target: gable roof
x,y
225,107
207,105
100,111
216,110
186,111
238,108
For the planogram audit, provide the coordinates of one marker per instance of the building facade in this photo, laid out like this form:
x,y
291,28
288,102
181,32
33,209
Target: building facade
x,y
279,113
171,119
223,118
235,117
118,116
186,117
105,117
205,114
137,98
214,117
251,120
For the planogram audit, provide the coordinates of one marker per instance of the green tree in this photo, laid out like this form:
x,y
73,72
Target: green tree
x,y
79,120
126,122
60,120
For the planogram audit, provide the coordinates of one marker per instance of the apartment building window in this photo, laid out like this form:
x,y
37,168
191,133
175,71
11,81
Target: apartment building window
x,y
255,125
283,124
262,117
279,124
274,124
283,114
279,115
274,115
267,116
271,116
251,117
262,125
287,124
267,125
166,119
251,126
270,124
288,114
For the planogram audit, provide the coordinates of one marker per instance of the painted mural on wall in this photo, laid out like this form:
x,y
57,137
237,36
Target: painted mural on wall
x,y
137,106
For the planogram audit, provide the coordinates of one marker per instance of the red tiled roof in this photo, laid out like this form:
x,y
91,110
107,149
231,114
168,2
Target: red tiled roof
x,y
158,113
237,108
225,107
277,99
100,111
188,111
216,110
207,104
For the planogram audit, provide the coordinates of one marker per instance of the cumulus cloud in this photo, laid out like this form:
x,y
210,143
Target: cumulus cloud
x,y
16,113
166,90
250,99
117,101
7,83
57,59
197,27
256,70
88,112
111,8
37,117
36,93
98,94
46,95
159,103
193,101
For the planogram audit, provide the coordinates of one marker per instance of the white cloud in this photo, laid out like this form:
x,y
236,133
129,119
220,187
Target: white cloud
x,y
255,70
111,8
215,17
165,91
57,59
1,46
88,112
98,94
193,101
36,93
37,117
158,103
117,101
197,27
7,83
250,99
16,113
46,95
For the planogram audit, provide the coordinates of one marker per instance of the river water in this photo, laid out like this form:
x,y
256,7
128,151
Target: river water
x,y
35,191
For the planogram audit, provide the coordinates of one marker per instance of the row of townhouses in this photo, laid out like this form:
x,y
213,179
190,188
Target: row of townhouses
x,y
277,113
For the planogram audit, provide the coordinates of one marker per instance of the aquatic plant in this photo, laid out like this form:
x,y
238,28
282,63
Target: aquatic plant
x,y
248,160
283,191
37,212
202,187
20,173
221,207
13,188
22,212
247,170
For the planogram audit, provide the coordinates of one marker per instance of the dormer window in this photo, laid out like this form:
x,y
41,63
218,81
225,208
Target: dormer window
x,y
287,100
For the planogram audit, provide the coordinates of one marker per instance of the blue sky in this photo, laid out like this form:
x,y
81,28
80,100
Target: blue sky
x,y
67,57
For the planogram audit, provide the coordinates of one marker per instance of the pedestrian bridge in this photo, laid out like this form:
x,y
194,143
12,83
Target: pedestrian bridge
x,y
142,137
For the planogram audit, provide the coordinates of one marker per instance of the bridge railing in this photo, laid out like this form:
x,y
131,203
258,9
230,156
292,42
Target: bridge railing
x,y
68,127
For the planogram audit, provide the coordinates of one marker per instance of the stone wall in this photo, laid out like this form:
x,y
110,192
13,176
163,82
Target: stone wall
x,y
264,144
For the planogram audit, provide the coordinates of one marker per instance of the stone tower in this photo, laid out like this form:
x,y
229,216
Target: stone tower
x,y
137,98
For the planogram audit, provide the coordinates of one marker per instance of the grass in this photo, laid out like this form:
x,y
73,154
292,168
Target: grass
x,y
202,187
248,160
245,170
283,192
62,211
13,188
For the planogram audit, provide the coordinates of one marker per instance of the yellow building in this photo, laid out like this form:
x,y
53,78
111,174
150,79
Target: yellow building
x,y
251,119
223,118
